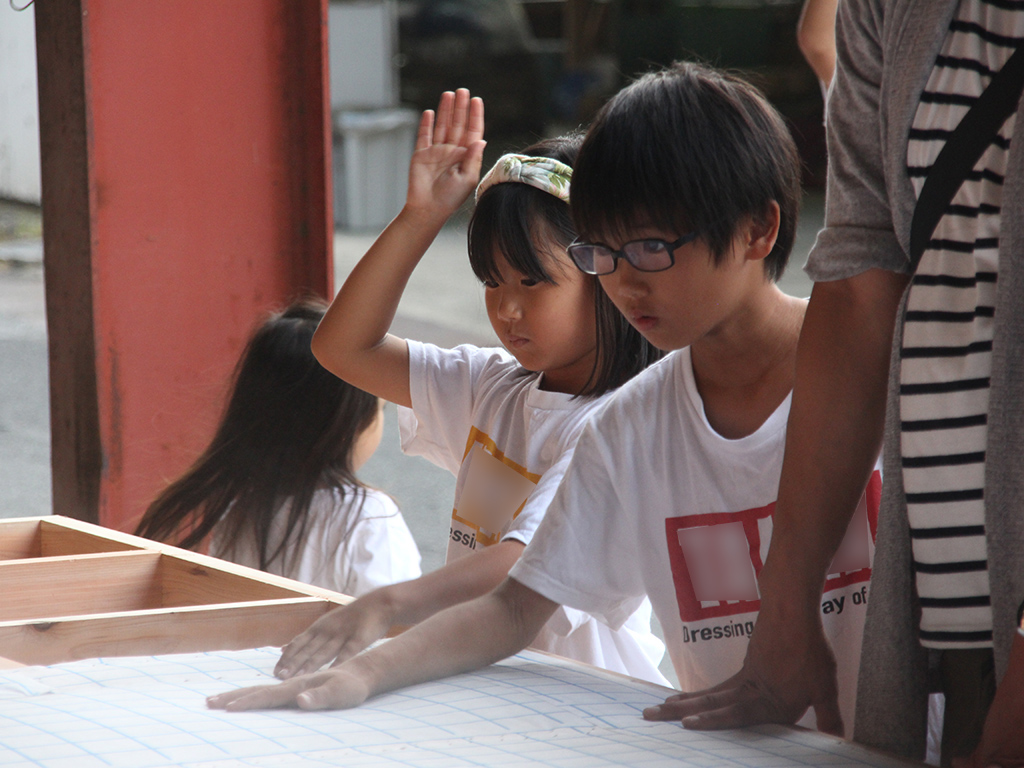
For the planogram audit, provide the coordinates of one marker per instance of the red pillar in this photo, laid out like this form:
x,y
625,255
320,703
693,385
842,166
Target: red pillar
x,y
186,191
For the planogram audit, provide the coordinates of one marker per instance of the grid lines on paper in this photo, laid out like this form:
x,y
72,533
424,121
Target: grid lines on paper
x,y
530,710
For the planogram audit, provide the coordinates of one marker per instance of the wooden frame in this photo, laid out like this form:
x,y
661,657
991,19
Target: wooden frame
x,y
73,590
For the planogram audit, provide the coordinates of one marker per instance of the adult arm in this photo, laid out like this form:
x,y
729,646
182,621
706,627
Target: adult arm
x,y
340,634
816,36
463,638
833,440
352,340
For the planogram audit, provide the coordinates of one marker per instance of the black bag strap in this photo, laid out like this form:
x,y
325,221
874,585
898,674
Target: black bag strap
x,y
962,150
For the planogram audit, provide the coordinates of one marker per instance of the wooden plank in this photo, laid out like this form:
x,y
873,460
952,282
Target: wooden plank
x,y
19,539
186,583
77,584
196,558
121,581
143,633
58,540
145,598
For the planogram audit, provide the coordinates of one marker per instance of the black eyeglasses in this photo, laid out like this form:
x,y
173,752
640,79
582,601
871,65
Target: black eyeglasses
x,y
644,255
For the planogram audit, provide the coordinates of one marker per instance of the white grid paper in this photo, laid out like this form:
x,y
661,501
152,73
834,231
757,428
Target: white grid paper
x,y
148,712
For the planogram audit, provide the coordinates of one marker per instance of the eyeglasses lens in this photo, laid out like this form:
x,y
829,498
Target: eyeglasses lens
x,y
648,255
584,255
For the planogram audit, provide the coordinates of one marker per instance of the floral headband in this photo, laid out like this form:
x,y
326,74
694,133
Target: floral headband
x,y
543,173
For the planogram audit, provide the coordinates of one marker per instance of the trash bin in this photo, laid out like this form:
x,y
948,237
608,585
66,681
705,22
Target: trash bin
x,y
372,149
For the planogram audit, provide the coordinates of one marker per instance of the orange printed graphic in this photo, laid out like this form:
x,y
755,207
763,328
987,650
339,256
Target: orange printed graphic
x,y
491,490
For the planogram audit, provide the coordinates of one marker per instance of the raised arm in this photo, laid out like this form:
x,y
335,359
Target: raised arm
x,y
340,634
463,638
353,340
833,440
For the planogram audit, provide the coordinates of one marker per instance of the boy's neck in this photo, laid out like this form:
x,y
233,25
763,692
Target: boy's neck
x,y
744,372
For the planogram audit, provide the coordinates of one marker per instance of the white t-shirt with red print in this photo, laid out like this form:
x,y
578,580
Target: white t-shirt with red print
x,y
656,503
482,416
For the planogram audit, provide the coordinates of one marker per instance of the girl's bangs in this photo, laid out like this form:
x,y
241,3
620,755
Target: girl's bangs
x,y
507,221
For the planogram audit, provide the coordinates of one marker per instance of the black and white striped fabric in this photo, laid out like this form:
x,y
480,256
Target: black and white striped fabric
x,y
947,344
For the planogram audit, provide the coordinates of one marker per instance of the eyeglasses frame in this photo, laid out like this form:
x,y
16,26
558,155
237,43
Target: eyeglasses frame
x,y
621,252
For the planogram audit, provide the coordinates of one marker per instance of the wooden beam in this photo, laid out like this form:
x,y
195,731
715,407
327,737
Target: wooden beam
x,y
79,584
76,454
144,633
20,539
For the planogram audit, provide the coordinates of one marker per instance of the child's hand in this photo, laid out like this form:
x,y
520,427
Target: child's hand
x,y
445,167
333,689
337,636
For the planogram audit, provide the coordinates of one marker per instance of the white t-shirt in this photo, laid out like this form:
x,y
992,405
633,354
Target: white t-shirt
x,y
482,416
349,548
655,502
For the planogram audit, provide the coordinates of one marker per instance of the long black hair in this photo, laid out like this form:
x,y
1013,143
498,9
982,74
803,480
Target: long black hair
x,y
511,219
289,429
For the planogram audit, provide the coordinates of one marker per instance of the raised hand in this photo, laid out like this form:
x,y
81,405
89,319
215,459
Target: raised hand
x,y
336,636
445,165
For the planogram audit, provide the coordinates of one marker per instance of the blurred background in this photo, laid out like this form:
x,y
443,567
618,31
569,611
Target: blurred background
x,y
543,67
546,65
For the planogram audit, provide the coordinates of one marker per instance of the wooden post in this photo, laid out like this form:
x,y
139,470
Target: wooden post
x,y
186,191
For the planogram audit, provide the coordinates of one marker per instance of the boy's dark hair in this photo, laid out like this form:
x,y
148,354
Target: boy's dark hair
x,y
688,148
289,429
510,218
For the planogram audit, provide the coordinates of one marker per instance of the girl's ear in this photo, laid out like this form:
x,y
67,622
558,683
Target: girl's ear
x,y
762,231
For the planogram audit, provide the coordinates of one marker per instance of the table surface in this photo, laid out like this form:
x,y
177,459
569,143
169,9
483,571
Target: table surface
x,y
532,709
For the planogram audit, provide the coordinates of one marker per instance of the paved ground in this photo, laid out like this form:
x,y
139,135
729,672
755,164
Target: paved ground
x,y
443,304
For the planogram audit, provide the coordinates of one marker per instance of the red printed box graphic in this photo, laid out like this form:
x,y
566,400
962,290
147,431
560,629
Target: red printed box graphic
x,y
717,557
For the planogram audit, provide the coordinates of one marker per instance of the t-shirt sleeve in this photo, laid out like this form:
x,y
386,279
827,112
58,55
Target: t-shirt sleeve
x,y
379,550
442,383
859,232
584,552
524,526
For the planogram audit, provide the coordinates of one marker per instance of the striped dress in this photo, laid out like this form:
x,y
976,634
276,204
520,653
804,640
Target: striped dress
x,y
946,359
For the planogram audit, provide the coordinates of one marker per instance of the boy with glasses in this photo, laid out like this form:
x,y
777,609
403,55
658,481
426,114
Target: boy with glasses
x,y
685,194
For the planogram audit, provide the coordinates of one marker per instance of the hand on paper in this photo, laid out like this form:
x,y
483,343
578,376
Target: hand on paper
x,y
445,165
332,689
784,673
337,636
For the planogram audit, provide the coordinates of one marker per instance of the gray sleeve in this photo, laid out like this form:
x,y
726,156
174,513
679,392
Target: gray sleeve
x,y
859,233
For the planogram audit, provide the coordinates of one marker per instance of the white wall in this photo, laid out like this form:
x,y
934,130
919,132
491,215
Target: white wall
x,y
19,105
362,41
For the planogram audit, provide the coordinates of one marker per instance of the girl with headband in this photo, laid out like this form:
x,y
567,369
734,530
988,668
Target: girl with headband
x,y
504,421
